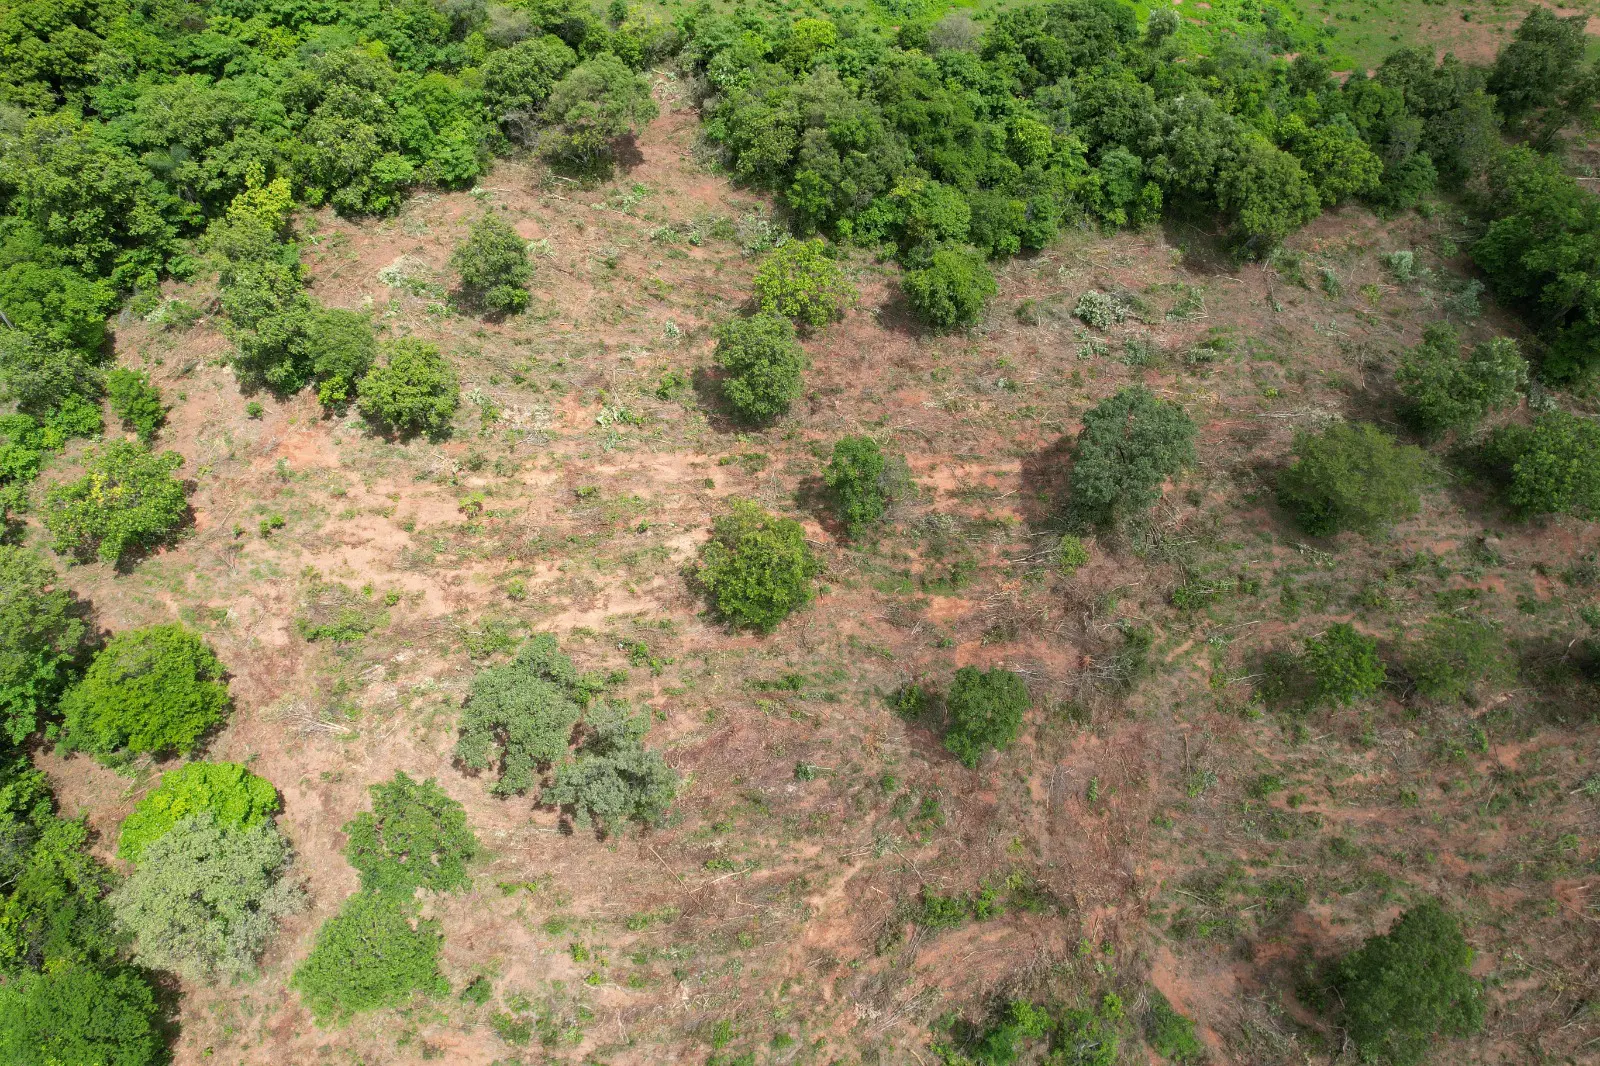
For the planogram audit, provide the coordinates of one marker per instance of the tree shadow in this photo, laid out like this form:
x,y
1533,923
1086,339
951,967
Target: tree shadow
x,y
625,153
707,385
812,496
1046,485
896,316
1204,251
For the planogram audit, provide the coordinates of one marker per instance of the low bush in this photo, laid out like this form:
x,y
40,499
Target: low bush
x,y
763,364
855,477
801,282
1129,446
1352,476
80,1014
41,635
519,717
150,690
1171,1034
951,289
1071,554
1343,665
756,568
231,795
493,266
127,500
985,710
414,837
135,401
1454,655
614,778
1443,391
374,953
1551,466
414,391
1402,989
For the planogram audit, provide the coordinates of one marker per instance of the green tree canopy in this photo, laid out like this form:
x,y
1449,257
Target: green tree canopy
x,y
985,710
374,953
756,568
762,363
1352,476
1128,447
231,795
804,284
151,690
414,837
614,778
1551,466
414,391
41,634
855,475
1343,664
951,289
493,266
519,717
80,1014
126,501
597,102
1443,391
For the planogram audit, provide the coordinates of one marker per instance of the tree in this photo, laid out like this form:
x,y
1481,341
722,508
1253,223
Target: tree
x,y
415,391
151,690
1130,444
371,954
126,501
985,709
1352,476
1267,194
230,795
1551,466
340,348
517,81
756,568
1539,64
519,717
206,897
801,282
1444,391
951,289
493,266
80,1014
1453,655
763,364
855,476
1343,664
614,777
599,101
40,374
414,837
135,401
1403,988
41,635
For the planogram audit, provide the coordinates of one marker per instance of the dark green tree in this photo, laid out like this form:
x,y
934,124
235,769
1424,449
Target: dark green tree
x,y
493,266
517,82
614,778
1129,446
340,348
1538,66
855,475
762,365
1352,476
41,635
985,710
136,402
79,1013
756,568
1443,391
599,101
1551,466
414,837
519,717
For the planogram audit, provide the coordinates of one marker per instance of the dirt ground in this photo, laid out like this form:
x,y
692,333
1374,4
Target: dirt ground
x,y
574,492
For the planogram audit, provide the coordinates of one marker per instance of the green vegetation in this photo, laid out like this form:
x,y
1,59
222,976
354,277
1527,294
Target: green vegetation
x,y
756,568
1171,1034
802,282
1071,554
1551,466
414,837
762,363
1402,989
1343,664
493,266
135,401
519,717
951,289
599,101
80,1014
1443,391
1352,476
374,953
1129,446
414,391
614,777
148,691
232,796
855,476
41,636
1019,1030
985,709
1453,655
126,501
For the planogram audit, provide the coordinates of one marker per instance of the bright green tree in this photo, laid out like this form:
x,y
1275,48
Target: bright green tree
x,y
126,501
756,568
231,795
493,266
414,391
415,836
152,690
855,476
372,954
804,284
951,289
135,401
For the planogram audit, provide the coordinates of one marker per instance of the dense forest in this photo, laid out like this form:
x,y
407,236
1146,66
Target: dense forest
x,y
146,142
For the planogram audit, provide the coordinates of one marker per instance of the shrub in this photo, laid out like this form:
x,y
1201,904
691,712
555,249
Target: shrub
x,y
1171,1033
763,363
614,777
127,500
1551,466
231,795
1071,554
756,568
855,477
493,266
341,348
801,282
519,717
1129,446
986,709
1404,987
80,1014
207,897
597,102
1099,310
135,401
414,837
1343,664
1444,391
1453,655
150,690
370,955
40,637
415,391
951,289
1352,476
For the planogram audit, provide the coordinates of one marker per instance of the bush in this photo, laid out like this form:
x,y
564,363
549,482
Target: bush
x,y
135,401
801,282
78,1014
40,637
1551,466
756,568
1098,310
414,837
1171,1034
1403,988
986,709
1444,391
763,363
1129,446
493,266
1071,554
951,289
370,955
126,501
1343,665
150,690
855,477
415,391
519,717
231,795
1454,655
1352,476
206,898
614,777
341,349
